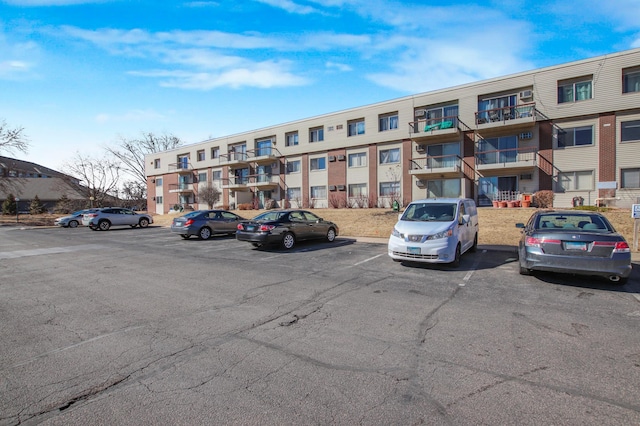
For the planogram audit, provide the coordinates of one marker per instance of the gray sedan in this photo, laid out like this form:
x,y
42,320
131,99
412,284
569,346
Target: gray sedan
x,y
205,223
575,242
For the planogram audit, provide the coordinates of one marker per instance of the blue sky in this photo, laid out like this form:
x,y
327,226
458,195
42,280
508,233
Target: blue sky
x,y
80,74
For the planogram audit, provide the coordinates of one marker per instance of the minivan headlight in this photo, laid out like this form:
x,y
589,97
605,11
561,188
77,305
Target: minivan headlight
x,y
397,233
443,234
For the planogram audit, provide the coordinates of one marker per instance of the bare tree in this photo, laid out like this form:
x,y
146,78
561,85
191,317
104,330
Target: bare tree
x,y
99,177
210,194
12,139
131,152
134,194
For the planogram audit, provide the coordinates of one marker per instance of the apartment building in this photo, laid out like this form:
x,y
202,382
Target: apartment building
x,y
572,128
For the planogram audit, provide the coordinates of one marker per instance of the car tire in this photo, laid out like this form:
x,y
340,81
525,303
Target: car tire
x,y
185,236
73,224
456,259
288,241
104,225
204,233
133,226
474,247
93,228
256,245
331,235
524,271
144,222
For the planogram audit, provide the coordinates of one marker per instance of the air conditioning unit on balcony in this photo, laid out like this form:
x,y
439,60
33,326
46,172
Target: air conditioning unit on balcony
x,y
420,148
420,112
420,184
525,135
526,94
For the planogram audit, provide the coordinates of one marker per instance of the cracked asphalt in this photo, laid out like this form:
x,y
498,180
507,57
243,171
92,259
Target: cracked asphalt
x,y
137,326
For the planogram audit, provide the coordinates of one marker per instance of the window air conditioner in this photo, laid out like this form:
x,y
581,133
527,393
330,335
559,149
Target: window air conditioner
x,y
340,157
526,94
332,187
420,184
332,158
420,148
420,112
340,187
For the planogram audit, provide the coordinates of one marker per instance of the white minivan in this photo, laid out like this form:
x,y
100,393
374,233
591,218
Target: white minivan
x,y
435,230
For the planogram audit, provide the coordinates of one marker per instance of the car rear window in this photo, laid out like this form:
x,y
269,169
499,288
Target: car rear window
x,y
572,222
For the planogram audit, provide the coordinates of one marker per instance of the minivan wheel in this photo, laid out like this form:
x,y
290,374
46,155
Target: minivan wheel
x,y
331,235
104,225
456,260
474,247
288,240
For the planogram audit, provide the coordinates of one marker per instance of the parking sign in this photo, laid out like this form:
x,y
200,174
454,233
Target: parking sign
x,y
635,211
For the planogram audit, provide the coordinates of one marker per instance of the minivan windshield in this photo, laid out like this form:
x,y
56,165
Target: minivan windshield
x,y
436,212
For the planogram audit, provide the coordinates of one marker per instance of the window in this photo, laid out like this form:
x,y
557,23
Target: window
x,y
355,127
390,156
447,188
631,80
575,181
575,136
630,131
357,190
159,199
156,163
293,166
263,147
489,109
630,178
449,113
389,189
498,150
358,159
293,194
201,156
215,152
319,192
575,90
202,177
291,139
316,134
158,181
388,122
318,163
217,175
183,162
443,155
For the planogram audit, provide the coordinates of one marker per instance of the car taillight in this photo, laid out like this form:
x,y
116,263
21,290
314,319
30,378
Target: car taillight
x,y
240,227
265,228
188,222
93,215
618,246
537,242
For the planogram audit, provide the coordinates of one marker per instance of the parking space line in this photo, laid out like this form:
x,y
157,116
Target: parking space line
x,y
367,260
51,250
469,273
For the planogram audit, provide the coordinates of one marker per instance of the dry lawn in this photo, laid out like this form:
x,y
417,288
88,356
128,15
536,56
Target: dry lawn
x,y
497,226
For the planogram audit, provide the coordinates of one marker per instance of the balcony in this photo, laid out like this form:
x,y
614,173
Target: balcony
x,y
236,183
264,155
181,187
434,128
238,159
440,165
181,167
523,115
505,159
264,181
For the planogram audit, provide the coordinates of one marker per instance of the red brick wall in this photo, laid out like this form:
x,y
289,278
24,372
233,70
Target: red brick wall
x,y
607,152
337,175
469,160
305,180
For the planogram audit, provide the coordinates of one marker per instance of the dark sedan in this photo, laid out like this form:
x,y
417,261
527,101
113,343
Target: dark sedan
x,y
285,227
205,223
574,242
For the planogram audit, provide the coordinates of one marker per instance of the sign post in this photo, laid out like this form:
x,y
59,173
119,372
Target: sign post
x,y
635,214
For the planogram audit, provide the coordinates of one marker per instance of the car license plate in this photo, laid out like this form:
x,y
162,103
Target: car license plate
x,y
571,245
251,228
413,250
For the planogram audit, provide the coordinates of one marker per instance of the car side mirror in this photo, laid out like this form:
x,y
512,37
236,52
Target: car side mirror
x,y
520,225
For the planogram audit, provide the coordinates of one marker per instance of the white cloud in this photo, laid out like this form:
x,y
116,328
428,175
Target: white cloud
x,y
338,66
289,6
29,3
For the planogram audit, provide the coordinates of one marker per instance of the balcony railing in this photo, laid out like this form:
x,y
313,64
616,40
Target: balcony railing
x,y
504,156
258,155
181,166
181,187
506,113
437,163
262,180
431,125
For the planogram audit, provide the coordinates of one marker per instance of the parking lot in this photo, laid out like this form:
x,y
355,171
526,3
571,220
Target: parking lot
x,y
138,326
